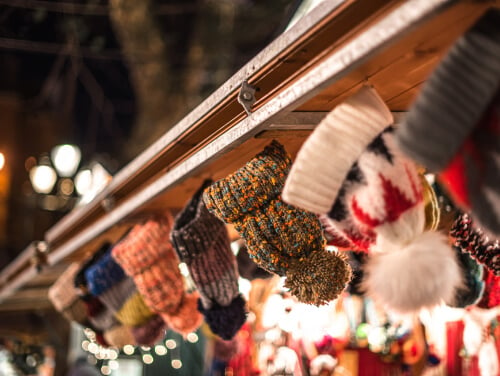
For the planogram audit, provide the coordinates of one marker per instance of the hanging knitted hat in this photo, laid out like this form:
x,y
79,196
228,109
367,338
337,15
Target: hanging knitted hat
x,y
202,242
103,319
103,274
471,239
453,127
280,238
373,197
146,255
65,297
80,280
149,333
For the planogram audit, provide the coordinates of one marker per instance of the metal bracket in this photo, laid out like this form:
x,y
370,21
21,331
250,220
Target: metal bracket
x,y
246,96
108,203
39,258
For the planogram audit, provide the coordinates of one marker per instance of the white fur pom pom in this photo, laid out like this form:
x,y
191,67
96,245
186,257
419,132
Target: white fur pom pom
x,y
421,274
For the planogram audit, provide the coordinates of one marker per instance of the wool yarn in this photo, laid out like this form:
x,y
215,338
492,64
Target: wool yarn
x,y
80,281
103,273
118,336
453,126
134,311
280,238
372,197
149,333
471,239
115,296
202,242
146,255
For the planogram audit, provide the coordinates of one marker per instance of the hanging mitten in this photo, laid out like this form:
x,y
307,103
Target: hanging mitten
x,y
202,242
280,238
453,127
146,255
374,197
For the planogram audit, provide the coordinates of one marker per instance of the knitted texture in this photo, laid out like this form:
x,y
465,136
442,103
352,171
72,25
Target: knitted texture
x,y
471,239
76,312
103,320
134,312
202,242
115,296
472,290
355,123
119,336
247,268
80,281
280,238
448,108
491,294
62,293
103,274
146,254
149,333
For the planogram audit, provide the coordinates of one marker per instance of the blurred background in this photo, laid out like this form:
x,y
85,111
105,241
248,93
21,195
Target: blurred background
x,y
107,77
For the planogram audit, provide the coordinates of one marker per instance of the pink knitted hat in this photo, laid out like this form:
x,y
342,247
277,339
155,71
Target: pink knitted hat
x,y
146,254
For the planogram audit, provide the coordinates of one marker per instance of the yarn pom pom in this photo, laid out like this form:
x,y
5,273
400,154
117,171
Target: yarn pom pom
x,y
225,321
421,274
187,318
318,279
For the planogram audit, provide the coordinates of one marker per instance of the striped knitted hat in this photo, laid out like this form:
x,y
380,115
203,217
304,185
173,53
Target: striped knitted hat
x,y
146,255
80,281
374,200
134,311
453,127
280,238
201,241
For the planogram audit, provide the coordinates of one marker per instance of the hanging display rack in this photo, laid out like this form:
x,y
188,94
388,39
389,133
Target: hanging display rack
x,y
282,93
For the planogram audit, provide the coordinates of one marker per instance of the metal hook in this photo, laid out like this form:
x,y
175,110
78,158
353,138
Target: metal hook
x,y
246,96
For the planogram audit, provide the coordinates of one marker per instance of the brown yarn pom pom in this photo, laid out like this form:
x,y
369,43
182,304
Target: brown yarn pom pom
x,y
318,279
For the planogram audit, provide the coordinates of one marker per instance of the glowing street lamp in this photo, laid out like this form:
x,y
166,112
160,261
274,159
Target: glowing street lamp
x,y
43,177
66,159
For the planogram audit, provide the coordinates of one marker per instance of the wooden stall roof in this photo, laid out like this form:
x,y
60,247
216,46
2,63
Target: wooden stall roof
x,y
322,59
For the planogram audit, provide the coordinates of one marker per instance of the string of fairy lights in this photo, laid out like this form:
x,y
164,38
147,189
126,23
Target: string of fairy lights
x,y
109,356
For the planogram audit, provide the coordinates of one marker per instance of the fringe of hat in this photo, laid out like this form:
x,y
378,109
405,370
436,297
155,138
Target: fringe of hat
x,y
134,312
149,333
277,235
472,240
119,336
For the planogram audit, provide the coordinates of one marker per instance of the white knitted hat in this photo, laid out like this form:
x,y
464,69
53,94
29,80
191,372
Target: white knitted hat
x,y
328,154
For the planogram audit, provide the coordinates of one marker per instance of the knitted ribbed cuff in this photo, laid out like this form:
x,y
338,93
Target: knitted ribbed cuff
x,y
251,187
280,235
195,229
454,97
62,293
103,274
144,245
162,286
326,157
114,297
134,312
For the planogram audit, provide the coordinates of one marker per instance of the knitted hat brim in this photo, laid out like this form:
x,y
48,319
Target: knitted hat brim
x,y
327,155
